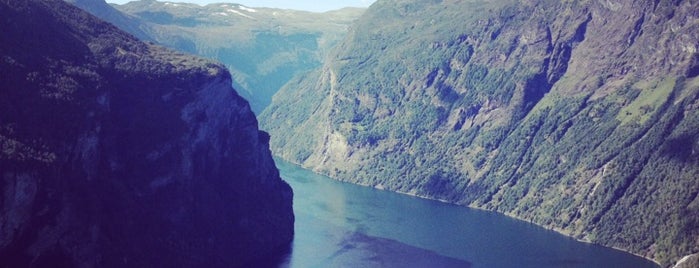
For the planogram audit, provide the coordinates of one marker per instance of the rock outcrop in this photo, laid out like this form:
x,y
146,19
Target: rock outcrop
x,y
580,116
117,153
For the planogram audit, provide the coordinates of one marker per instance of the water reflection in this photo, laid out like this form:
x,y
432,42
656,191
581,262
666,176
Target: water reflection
x,y
328,245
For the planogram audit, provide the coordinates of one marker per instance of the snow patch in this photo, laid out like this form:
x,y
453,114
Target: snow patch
x,y
244,8
240,13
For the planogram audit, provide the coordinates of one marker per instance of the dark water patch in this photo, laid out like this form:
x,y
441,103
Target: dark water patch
x,y
324,244
345,225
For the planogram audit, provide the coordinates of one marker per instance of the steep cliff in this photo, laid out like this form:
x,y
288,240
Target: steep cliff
x,y
581,116
117,153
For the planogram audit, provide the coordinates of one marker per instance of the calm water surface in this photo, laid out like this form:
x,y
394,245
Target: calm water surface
x,y
345,225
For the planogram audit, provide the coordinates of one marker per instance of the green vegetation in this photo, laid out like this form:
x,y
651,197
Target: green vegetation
x,y
651,97
529,109
263,48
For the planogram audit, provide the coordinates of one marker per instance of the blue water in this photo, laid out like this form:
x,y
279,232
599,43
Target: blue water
x,y
345,225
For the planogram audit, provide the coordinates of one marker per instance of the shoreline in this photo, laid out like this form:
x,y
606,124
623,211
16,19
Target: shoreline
x,y
557,230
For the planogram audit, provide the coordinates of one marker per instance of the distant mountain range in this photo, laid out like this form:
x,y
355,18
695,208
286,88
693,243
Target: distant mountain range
x,y
264,48
580,116
119,153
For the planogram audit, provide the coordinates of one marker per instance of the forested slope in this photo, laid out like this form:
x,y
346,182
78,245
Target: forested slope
x,y
581,116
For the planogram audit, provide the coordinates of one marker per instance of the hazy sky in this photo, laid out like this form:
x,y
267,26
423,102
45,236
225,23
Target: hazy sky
x,y
310,5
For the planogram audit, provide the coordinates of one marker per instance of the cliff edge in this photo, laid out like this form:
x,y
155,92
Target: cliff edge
x,y
118,153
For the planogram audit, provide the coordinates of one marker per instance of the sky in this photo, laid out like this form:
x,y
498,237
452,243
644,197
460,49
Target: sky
x,y
308,5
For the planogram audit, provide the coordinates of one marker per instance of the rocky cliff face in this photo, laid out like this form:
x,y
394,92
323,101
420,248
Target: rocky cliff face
x,y
118,153
263,47
580,116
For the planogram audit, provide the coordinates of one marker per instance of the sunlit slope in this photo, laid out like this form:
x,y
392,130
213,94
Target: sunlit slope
x,y
577,115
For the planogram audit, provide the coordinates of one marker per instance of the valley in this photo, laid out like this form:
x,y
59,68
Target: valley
x,y
578,116
263,48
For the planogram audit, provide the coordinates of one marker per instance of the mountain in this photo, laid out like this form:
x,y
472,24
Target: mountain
x,y
102,10
580,116
118,153
263,47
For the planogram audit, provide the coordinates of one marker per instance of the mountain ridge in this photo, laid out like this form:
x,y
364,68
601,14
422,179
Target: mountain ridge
x,y
263,47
